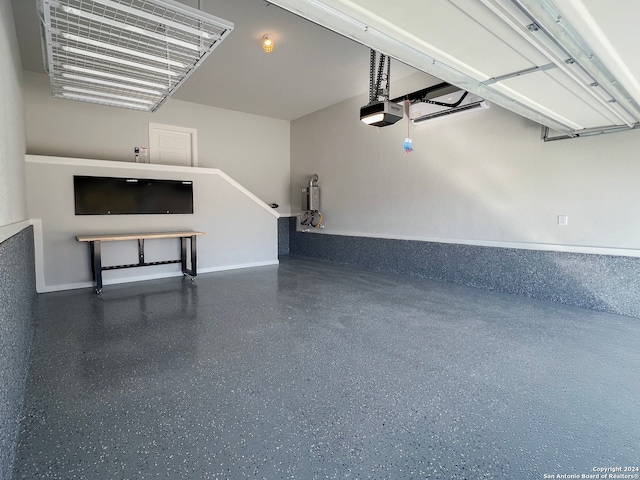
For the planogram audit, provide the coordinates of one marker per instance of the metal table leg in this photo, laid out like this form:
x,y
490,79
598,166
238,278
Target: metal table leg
x,y
140,251
194,268
183,256
96,264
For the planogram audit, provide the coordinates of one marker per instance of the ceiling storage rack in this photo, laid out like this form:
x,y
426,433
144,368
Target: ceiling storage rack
x,y
124,53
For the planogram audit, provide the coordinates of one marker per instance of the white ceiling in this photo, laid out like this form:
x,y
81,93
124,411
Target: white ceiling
x,y
484,46
310,68
542,59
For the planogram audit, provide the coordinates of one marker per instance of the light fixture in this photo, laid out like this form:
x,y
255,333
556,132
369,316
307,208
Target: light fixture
x,y
380,112
95,93
126,51
267,43
98,73
107,83
118,60
111,103
116,49
139,31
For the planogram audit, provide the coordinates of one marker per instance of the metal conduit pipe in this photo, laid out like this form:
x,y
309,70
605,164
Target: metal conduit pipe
x,y
313,180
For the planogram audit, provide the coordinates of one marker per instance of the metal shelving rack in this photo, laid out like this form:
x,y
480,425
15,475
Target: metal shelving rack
x,y
125,53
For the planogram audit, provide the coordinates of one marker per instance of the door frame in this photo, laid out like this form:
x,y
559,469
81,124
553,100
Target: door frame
x,y
174,128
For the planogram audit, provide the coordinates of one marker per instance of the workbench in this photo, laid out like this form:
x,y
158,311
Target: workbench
x,y
95,242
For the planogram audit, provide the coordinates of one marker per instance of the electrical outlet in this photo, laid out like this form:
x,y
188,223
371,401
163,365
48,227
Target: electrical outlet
x,y
141,154
563,220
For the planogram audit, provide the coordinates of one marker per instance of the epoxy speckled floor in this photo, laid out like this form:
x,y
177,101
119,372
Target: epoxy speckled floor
x,y
316,370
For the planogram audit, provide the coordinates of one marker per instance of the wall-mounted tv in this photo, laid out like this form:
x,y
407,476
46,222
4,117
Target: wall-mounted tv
x,y
131,196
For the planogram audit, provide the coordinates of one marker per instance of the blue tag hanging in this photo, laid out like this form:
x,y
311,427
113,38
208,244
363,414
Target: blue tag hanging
x,y
407,145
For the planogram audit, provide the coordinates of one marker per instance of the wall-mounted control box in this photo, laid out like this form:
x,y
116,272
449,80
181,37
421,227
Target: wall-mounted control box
x,y
310,199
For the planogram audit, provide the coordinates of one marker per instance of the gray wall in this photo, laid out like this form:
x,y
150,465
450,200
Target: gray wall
x,y
251,149
476,203
13,205
598,282
17,284
283,235
240,230
17,310
482,178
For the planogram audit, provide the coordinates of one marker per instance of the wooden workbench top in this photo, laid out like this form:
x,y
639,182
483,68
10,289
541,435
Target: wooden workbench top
x,y
135,236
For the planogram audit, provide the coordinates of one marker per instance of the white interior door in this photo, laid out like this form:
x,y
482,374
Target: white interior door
x,y
171,145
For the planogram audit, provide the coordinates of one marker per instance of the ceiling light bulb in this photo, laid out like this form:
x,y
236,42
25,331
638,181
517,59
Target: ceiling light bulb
x,y
267,44
119,61
114,76
107,83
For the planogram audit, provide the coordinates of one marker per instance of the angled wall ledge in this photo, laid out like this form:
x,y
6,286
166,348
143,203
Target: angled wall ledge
x,y
148,167
241,230
8,231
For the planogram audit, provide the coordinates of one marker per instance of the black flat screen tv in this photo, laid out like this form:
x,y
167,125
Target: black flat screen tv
x,y
131,196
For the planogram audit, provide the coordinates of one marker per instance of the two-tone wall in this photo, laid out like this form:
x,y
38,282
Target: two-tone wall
x,y
240,230
251,149
17,281
477,203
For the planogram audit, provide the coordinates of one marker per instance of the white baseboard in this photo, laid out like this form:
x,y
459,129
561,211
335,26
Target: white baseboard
x,y
238,266
551,247
41,288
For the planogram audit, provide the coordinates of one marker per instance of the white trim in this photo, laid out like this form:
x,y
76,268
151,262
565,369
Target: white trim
x,y
552,247
8,231
174,128
238,266
149,167
38,247
142,278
